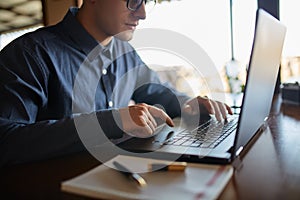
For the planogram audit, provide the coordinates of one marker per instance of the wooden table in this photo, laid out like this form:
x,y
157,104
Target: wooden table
x,y
269,170
271,167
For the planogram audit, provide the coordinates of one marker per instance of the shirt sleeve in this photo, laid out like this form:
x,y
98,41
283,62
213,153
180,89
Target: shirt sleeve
x,y
152,91
23,93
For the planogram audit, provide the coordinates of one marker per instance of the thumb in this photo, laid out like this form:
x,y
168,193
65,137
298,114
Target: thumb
x,y
188,109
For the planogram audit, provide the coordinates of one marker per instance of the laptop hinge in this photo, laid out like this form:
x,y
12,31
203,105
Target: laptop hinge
x,y
239,151
237,163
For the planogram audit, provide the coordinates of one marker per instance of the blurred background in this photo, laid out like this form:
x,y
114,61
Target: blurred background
x,y
221,27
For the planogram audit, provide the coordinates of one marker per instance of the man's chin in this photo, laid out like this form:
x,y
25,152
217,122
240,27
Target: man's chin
x,y
125,35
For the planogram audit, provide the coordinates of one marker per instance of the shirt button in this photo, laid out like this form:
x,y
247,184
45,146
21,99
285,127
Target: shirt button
x,y
110,104
104,71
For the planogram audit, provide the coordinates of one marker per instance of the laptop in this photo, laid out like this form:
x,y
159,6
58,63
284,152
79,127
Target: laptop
x,y
195,144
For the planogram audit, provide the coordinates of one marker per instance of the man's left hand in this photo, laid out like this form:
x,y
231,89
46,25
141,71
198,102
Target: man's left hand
x,y
204,105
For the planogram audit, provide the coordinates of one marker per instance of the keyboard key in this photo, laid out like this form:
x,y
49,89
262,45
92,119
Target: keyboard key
x,y
207,135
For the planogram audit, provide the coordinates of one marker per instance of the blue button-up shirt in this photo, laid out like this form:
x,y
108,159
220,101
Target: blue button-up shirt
x,y
60,73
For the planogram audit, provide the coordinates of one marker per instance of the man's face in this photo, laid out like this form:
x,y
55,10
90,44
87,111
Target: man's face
x,y
114,19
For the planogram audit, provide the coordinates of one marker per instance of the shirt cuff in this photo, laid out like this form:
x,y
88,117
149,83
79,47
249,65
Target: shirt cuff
x,y
110,122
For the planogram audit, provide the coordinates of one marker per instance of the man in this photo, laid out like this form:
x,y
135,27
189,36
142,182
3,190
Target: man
x,y
39,79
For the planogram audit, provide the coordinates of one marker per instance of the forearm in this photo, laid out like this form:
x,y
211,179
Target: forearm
x,y
42,140
21,142
160,95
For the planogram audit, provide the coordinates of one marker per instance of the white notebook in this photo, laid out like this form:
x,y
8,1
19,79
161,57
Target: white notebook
x,y
197,181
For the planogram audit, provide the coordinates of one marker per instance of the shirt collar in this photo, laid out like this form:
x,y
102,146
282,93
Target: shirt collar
x,y
84,40
107,50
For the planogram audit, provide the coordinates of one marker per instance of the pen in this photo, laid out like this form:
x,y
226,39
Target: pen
x,y
135,176
177,166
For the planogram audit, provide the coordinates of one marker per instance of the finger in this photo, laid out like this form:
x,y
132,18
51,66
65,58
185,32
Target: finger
x,y
217,113
144,128
222,109
208,104
188,109
157,112
151,118
147,124
135,121
229,110
147,117
147,131
141,132
191,107
151,125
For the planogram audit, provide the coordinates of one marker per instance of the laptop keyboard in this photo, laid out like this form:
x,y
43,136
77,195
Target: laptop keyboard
x,y
207,135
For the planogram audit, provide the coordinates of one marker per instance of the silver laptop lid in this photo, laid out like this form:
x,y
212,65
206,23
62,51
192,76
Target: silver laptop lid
x,y
261,79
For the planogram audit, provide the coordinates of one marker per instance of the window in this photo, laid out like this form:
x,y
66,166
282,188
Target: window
x,y
289,15
207,23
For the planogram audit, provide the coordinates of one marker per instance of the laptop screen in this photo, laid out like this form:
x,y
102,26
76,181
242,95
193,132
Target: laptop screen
x,y
261,77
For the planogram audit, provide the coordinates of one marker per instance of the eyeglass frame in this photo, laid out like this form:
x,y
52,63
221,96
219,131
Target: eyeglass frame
x,y
135,9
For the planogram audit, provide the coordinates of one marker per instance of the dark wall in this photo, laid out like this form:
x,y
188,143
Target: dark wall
x,y
272,6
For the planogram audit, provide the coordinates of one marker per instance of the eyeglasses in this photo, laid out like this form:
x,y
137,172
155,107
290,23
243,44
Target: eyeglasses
x,y
134,5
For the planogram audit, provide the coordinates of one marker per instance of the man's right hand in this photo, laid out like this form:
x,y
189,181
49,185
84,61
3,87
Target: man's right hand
x,y
139,120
